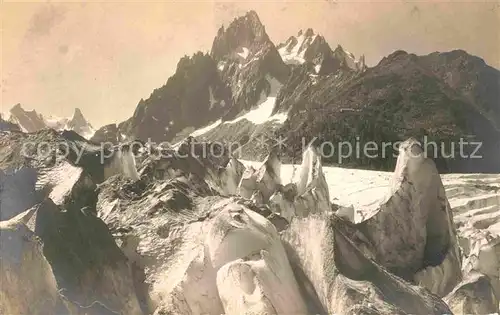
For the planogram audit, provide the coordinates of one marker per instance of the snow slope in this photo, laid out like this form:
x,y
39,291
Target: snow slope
x,y
260,114
293,51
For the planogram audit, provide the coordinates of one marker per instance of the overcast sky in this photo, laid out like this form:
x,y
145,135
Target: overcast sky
x,y
104,57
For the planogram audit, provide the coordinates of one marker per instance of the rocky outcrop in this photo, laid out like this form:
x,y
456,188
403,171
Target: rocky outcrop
x,y
231,175
339,278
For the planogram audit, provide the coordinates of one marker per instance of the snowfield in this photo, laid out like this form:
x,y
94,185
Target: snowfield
x,y
365,190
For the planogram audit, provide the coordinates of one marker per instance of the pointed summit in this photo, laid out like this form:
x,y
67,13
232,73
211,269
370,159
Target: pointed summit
x,y
309,32
312,48
80,125
248,62
77,115
245,31
30,121
253,16
348,60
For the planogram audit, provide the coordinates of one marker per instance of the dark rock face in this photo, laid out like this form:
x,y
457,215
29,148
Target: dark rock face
x,y
108,134
247,60
17,192
470,77
192,97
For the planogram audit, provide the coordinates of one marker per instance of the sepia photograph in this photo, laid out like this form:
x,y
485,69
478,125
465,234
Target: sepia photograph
x,y
302,157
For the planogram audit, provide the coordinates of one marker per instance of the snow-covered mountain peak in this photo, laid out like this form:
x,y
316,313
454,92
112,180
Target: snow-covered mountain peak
x,y
246,31
80,125
293,51
309,46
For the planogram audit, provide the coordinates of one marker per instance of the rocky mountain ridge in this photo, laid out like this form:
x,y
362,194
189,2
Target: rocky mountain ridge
x,y
31,121
444,96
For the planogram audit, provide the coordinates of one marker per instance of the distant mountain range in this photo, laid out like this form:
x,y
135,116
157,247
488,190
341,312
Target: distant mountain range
x,y
248,88
31,121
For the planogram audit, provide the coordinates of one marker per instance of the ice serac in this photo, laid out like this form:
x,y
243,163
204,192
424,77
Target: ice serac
x,y
230,176
309,195
265,180
338,278
336,262
412,231
122,162
390,91
174,220
474,295
17,191
28,284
